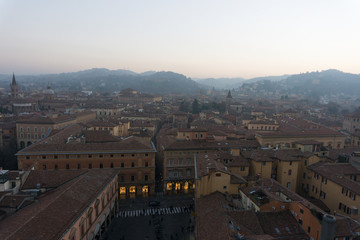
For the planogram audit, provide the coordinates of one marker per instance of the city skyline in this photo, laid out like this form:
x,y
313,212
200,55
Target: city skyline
x,y
198,39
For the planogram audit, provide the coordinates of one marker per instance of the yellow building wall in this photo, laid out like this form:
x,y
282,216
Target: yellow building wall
x,y
283,176
273,141
243,173
334,195
304,179
260,168
215,181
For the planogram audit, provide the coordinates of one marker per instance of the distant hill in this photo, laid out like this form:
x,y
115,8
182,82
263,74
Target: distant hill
x,y
325,82
101,79
310,84
271,78
221,83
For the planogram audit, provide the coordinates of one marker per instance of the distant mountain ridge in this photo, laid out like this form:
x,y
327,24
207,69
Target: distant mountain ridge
x,y
101,79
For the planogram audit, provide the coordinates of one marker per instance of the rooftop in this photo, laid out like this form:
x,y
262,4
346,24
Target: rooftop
x,y
56,210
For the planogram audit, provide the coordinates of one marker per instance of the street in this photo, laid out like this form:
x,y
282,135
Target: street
x,y
137,220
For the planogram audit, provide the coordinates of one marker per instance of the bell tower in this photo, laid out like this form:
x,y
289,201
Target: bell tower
x,y
14,88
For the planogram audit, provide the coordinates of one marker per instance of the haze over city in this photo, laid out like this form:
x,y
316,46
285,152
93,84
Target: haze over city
x,y
179,120
196,38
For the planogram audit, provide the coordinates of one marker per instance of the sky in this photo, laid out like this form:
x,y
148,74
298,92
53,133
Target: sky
x,y
197,38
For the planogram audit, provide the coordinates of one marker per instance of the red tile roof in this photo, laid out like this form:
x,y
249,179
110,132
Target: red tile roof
x,y
57,210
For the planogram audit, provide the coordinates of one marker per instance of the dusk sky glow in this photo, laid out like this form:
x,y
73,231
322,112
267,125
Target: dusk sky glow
x,y
202,38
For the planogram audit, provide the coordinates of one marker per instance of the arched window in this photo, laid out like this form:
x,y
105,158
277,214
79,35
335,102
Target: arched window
x,y
97,202
90,216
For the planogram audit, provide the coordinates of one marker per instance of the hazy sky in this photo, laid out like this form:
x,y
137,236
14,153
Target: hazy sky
x,y
198,38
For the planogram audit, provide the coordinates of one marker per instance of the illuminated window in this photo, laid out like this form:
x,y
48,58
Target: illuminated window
x,y
122,190
132,189
145,189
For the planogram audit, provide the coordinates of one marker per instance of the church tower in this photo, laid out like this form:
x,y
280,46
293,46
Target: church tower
x,y
228,101
14,89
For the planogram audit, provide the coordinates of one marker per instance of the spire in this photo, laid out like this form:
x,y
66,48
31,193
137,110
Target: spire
x,y
13,82
229,94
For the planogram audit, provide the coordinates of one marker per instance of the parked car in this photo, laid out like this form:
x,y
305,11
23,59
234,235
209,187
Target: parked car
x,y
154,203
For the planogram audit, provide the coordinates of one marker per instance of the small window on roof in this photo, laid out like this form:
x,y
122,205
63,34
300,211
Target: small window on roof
x,y
277,230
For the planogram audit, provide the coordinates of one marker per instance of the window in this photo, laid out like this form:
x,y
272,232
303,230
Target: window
x,y
304,175
90,216
55,156
146,177
28,129
42,129
111,155
324,180
344,191
301,211
218,174
82,229
21,129
90,166
35,136
352,195
342,207
122,155
97,207
111,165
264,163
146,154
188,161
27,157
100,156
289,172
43,157
101,165
322,194
171,162
35,129
242,168
28,136
122,178
132,164
133,155
90,156
180,161
224,187
309,229
188,172
132,178
146,164
78,156
305,163
290,163
67,156
78,166
67,166
21,135
44,166
122,164
288,185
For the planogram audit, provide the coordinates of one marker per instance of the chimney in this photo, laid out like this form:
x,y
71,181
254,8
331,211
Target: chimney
x,y
328,227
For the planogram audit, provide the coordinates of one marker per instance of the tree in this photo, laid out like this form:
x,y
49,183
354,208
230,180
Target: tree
x,y
195,107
